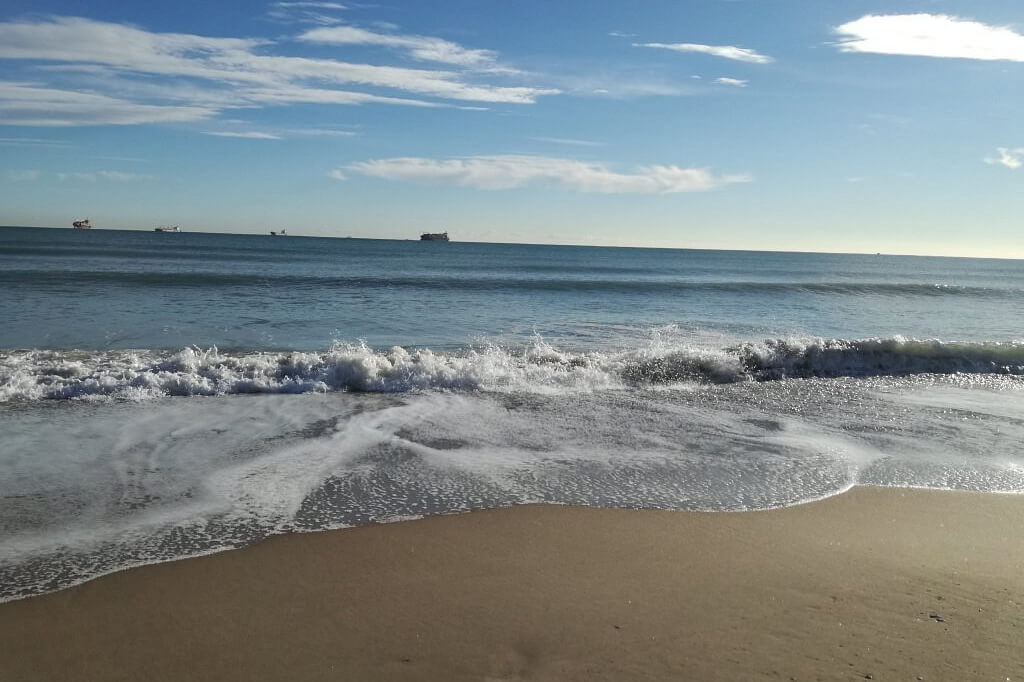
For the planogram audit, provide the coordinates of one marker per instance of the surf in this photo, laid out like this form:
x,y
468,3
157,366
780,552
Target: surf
x,y
33,375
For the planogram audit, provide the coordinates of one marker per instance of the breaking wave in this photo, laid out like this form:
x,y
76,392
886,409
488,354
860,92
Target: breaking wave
x,y
27,375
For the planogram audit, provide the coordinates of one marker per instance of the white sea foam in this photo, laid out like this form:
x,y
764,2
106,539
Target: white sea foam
x,y
86,488
538,367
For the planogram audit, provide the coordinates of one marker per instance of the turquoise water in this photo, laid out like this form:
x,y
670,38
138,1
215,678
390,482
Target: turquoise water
x,y
165,395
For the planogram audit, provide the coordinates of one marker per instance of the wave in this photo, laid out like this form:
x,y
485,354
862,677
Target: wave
x,y
576,284
27,375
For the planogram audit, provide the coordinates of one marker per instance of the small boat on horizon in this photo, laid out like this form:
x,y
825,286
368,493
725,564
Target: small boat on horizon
x,y
282,233
434,237
83,224
167,228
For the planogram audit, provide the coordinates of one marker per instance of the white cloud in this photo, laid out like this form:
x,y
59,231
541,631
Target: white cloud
x,y
22,175
422,48
930,35
735,82
512,171
29,104
1011,158
740,54
113,176
93,68
288,94
336,174
443,84
248,135
76,40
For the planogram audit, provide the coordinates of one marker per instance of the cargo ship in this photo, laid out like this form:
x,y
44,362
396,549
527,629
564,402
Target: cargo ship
x,y
166,228
82,224
434,237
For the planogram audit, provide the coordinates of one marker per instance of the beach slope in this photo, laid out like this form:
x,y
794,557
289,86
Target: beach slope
x,y
882,584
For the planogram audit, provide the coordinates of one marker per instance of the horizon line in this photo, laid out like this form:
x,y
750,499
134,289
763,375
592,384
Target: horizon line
x,y
577,245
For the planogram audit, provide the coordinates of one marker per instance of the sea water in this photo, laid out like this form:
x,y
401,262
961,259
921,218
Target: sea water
x,y
166,395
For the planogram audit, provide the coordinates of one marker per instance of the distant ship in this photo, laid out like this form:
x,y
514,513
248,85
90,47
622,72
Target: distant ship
x,y
434,237
282,233
167,228
82,224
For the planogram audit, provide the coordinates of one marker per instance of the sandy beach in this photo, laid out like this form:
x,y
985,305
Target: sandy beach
x,y
883,584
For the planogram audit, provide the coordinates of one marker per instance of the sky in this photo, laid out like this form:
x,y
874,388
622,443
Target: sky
x,y
809,125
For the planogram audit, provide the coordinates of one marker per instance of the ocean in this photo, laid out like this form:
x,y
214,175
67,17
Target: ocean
x,y
169,395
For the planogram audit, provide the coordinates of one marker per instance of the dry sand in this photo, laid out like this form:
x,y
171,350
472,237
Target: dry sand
x,y
891,584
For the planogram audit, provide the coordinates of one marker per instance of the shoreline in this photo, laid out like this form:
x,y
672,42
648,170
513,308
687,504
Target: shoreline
x,y
894,583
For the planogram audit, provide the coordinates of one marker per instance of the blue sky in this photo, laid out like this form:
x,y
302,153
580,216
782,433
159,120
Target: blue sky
x,y
792,125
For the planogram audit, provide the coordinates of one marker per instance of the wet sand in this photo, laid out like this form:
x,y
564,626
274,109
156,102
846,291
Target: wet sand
x,y
891,584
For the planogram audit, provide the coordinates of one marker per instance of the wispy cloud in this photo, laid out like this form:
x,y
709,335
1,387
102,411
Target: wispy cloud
x,y
567,141
512,171
620,34
879,122
32,142
198,76
112,176
134,159
22,175
930,35
252,135
32,104
306,12
421,48
322,132
281,134
313,5
1010,158
623,83
336,174
740,54
735,82
891,120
